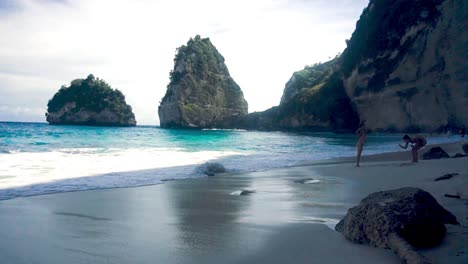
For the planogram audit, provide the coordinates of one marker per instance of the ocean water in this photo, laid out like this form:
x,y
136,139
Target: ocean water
x,y
36,158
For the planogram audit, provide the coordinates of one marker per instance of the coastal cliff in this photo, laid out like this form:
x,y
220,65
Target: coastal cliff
x,y
91,102
201,92
404,69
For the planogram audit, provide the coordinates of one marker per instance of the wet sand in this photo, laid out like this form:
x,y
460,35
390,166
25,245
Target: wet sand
x,y
287,219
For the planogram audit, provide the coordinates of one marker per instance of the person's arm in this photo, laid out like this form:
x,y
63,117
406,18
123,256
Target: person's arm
x,y
405,146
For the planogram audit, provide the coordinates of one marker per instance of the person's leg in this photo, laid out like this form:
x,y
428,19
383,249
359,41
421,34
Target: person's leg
x,y
359,152
414,151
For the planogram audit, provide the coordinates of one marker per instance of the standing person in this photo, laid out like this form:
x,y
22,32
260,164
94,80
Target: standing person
x,y
417,143
361,135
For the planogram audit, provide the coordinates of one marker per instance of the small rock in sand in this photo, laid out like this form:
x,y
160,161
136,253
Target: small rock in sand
x,y
446,176
246,192
456,196
211,168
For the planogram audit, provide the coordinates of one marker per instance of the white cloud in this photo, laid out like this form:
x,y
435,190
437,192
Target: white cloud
x,y
131,45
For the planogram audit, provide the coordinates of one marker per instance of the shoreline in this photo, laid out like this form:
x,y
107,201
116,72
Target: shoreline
x,y
451,148
198,220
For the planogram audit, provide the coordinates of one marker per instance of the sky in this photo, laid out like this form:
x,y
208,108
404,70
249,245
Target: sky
x,y
131,44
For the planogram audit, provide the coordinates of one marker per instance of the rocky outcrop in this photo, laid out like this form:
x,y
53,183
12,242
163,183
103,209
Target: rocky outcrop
x,y
404,69
405,66
313,99
435,153
89,101
201,93
398,219
311,77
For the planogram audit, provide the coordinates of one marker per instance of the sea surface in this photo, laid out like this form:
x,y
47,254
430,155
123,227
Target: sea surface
x,y
37,158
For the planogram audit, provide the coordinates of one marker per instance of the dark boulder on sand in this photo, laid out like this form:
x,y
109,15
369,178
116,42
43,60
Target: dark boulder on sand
x,y
211,168
398,219
435,153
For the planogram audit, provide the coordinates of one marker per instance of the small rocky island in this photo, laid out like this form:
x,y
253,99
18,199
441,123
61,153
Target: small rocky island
x,y
201,93
90,102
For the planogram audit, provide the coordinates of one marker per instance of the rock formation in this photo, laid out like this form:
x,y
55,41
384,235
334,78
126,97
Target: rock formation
x,y
89,101
201,93
397,219
313,99
404,69
405,66
211,168
435,153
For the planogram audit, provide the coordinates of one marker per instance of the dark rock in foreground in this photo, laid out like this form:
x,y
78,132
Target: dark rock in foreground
x,y
90,102
435,153
397,219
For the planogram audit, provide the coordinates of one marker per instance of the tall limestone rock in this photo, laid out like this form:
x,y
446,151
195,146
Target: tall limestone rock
x,y
91,102
406,65
201,93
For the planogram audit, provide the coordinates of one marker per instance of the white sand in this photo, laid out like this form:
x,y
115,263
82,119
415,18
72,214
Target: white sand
x,y
199,221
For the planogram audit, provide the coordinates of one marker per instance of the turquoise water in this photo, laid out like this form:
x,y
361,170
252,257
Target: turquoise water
x,y
37,158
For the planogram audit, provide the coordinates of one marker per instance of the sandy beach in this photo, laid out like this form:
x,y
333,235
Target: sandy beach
x,y
289,217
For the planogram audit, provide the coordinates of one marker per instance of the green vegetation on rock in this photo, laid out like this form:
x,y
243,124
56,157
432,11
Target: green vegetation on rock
x,y
309,77
323,106
201,93
89,101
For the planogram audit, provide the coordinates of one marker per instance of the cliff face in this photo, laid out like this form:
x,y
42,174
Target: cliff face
x,y
89,101
201,93
404,69
405,66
